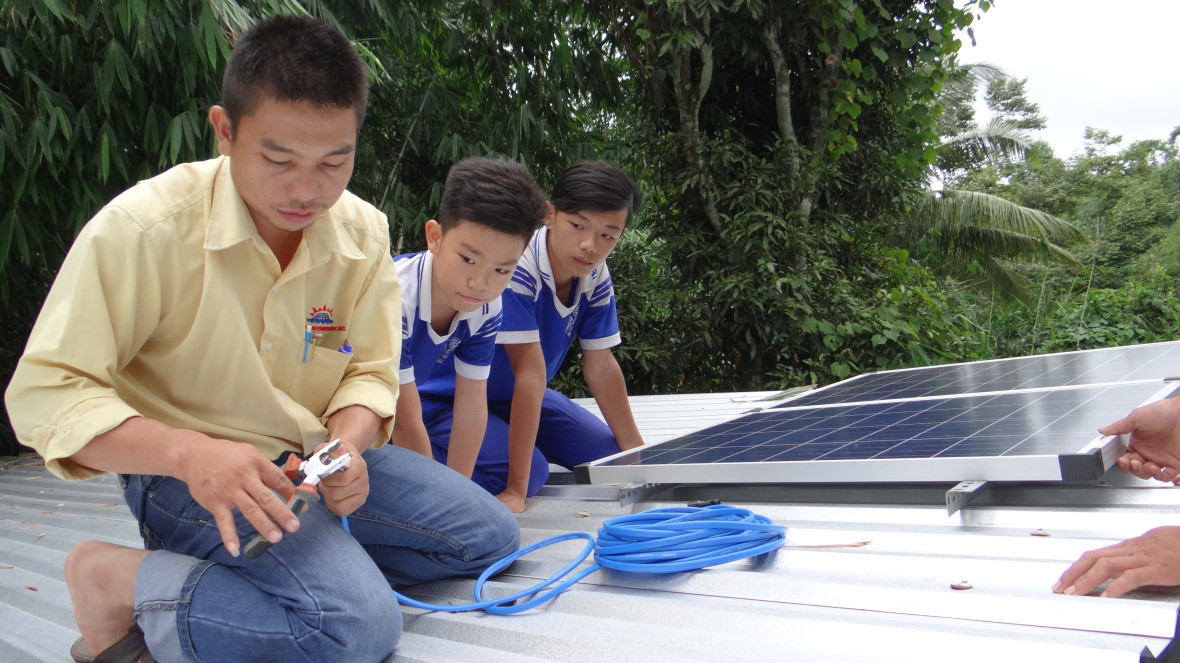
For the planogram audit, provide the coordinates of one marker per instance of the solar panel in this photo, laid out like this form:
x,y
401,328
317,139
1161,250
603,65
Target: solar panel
x,y
1026,419
1154,361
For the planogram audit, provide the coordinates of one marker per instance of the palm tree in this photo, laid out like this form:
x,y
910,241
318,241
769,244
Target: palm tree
x,y
976,236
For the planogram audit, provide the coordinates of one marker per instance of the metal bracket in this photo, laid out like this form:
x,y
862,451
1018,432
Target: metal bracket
x,y
633,492
962,494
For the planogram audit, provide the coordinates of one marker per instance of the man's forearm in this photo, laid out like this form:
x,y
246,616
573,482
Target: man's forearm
x,y
355,423
139,446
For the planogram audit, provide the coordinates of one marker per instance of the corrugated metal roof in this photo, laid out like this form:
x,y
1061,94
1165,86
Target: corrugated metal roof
x,y
818,599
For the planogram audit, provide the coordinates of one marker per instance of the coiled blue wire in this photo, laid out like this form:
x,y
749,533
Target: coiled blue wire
x,y
666,540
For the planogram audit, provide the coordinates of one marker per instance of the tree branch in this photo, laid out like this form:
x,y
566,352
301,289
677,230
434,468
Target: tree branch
x,y
782,81
689,96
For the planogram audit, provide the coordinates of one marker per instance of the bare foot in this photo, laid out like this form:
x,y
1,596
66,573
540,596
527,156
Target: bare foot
x,y
101,580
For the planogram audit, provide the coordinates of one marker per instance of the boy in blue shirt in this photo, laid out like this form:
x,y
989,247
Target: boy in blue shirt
x,y
561,289
451,306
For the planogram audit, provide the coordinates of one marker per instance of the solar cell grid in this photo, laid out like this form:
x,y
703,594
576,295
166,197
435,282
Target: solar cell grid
x,y
1032,418
1153,361
1014,424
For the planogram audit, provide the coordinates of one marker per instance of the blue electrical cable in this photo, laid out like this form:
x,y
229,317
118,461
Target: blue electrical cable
x,y
667,540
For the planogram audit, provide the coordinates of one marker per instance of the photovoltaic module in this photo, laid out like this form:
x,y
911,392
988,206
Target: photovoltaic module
x,y
1023,419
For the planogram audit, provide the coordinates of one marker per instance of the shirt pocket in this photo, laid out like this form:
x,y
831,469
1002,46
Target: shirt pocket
x,y
317,379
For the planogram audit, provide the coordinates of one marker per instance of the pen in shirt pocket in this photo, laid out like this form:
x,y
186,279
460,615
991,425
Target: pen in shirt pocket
x,y
346,348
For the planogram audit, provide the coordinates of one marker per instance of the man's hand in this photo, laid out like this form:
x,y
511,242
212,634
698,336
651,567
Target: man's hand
x,y
1151,559
223,476
346,490
1154,448
513,500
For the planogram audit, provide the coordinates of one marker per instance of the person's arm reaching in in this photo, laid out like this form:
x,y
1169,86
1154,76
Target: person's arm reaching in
x,y
528,368
409,432
1151,559
221,475
470,421
356,426
1154,446
1154,558
607,385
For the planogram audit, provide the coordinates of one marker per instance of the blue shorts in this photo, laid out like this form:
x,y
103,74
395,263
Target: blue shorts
x,y
568,435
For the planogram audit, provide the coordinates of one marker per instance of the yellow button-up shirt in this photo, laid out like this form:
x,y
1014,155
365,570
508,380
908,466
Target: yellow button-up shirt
x,y
171,306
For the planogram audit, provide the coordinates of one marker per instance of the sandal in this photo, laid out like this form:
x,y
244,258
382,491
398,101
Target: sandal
x,y
130,649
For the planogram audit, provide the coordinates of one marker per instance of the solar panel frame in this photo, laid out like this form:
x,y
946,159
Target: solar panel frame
x,y
1129,363
1093,456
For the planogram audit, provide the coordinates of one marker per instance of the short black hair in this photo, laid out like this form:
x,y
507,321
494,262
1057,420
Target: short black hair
x,y
595,186
294,59
496,193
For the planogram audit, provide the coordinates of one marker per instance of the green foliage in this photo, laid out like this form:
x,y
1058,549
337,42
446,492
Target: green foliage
x,y
1166,255
476,78
778,304
975,236
790,133
1136,312
93,96
1006,98
972,234
779,145
966,146
1129,202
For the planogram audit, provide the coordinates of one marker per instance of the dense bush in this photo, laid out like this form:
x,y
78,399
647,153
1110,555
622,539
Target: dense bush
x,y
1137,312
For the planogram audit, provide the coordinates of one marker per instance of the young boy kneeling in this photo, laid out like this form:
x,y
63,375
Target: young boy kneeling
x,y
561,289
451,308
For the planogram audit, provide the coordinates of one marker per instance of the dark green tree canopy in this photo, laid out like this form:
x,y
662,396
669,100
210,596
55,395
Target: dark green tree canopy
x,y
781,145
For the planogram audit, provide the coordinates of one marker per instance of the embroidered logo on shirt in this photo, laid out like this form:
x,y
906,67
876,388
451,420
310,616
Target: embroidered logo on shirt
x,y
569,326
321,320
452,343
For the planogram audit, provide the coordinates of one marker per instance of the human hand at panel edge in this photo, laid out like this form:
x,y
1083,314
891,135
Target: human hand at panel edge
x,y
1150,559
1154,447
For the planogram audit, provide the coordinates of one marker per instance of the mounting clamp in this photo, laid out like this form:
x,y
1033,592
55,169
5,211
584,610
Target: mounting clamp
x,y
963,493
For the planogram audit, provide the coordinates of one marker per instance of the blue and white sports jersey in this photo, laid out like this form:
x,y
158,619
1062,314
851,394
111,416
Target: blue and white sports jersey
x,y
532,312
467,347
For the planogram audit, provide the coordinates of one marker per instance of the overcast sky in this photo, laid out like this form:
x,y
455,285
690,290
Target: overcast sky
x,y
1110,64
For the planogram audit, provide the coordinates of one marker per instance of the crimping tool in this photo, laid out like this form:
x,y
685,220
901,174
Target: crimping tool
x,y
306,474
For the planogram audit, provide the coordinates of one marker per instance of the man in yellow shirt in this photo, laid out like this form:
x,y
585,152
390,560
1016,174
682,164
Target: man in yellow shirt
x,y
205,323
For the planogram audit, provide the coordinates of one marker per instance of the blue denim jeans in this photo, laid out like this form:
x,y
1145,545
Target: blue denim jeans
x,y
567,435
320,594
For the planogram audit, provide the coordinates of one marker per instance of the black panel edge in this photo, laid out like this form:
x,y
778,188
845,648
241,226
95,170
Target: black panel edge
x,y
582,473
1081,468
